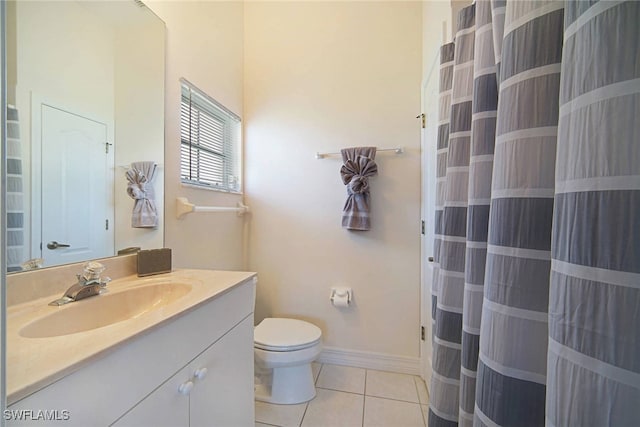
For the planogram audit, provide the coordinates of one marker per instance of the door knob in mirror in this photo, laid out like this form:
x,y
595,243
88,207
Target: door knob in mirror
x,y
55,245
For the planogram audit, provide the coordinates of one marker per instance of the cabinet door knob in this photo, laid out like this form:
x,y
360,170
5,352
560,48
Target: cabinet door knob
x,y
200,373
185,388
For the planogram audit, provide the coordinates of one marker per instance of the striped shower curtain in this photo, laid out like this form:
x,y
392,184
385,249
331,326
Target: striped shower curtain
x,y
593,367
15,245
444,401
452,222
483,133
546,329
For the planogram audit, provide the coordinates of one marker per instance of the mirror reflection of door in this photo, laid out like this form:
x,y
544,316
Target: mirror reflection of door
x,y
74,199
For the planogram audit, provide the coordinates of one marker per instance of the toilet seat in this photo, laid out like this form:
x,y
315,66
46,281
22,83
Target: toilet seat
x,y
279,334
285,349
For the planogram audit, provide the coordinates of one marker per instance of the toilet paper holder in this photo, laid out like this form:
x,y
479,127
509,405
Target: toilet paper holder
x,y
341,293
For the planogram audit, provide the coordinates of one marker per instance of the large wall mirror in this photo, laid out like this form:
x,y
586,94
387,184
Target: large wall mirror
x,y
85,100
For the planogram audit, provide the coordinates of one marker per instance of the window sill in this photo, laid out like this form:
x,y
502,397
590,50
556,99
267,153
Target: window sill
x,y
217,190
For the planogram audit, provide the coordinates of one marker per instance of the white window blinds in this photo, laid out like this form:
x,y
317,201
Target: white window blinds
x,y
209,142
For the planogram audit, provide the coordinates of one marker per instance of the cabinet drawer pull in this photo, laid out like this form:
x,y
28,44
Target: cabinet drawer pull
x,y
185,388
200,373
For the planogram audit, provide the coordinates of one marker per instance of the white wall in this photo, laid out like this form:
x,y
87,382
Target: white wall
x,y
320,77
139,131
205,46
44,43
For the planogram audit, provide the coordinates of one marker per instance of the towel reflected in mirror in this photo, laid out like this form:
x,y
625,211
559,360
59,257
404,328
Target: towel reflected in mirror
x,y
140,188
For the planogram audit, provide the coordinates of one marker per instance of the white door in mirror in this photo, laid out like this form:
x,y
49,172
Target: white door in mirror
x,y
75,201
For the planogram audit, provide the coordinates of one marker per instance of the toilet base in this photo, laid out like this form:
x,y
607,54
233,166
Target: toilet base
x,y
287,385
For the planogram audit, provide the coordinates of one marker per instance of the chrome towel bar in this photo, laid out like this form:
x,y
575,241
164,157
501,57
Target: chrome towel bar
x,y
397,150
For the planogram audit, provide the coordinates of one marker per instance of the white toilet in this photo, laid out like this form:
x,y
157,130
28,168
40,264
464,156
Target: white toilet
x,y
284,350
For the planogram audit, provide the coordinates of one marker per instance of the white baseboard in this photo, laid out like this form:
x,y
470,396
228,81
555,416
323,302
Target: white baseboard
x,y
370,360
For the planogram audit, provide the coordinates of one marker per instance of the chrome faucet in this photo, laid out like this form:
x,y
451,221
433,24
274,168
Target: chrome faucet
x,y
89,284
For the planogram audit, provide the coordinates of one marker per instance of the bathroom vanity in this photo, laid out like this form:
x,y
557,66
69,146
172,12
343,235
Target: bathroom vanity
x,y
170,350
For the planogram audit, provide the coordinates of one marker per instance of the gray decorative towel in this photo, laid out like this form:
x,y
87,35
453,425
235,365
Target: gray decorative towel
x,y
140,188
358,166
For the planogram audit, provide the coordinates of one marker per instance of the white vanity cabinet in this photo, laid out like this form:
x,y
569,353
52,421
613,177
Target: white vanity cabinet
x,y
205,393
138,382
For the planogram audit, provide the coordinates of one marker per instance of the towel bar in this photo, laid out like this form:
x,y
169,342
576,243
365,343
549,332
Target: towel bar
x,y
397,150
183,207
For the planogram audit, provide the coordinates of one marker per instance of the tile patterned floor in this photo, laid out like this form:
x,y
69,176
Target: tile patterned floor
x,y
353,397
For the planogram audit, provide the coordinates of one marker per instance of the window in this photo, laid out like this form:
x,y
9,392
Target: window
x,y
209,142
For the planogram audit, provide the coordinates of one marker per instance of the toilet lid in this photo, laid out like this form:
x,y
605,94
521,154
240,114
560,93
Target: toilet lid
x,y
278,333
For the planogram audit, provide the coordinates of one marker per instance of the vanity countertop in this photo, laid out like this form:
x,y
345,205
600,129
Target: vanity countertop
x,y
33,363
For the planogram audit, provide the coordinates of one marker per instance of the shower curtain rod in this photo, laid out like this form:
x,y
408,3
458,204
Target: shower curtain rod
x,y
397,150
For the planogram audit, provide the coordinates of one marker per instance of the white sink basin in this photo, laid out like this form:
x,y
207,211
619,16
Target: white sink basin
x,y
103,310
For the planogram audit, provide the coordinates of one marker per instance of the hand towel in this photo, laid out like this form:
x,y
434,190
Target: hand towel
x,y
358,166
140,188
